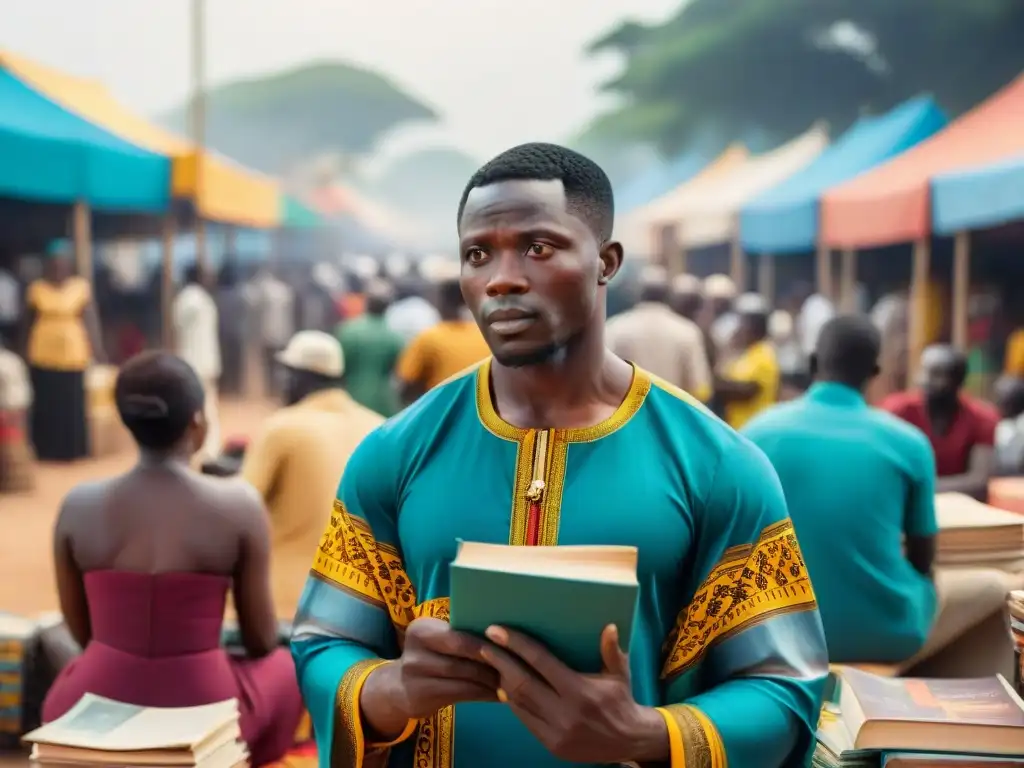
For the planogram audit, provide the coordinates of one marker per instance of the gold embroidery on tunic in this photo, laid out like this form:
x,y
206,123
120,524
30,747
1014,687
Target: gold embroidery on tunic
x,y
749,585
435,741
347,752
702,745
350,558
556,451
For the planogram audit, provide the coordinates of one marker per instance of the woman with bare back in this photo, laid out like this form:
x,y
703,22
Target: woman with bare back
x,y
144,562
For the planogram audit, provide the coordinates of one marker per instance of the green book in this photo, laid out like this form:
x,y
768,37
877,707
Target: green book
x,y
563,597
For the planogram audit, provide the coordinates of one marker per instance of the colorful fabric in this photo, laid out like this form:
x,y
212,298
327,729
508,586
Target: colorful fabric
x,y
727,641
859,476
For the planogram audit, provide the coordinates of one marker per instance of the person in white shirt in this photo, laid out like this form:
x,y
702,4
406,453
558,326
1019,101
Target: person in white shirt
x,y
720,292
1008,394
197,338
411,314
814,311
273,306
660,341
10,306
17,462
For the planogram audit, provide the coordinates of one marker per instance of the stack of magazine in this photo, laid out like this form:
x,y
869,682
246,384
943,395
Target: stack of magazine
x,y
102,732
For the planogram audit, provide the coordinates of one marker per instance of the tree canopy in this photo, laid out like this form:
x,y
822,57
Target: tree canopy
x,y
272,122
779,65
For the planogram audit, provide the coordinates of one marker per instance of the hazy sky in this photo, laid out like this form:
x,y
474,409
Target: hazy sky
x,y
499,71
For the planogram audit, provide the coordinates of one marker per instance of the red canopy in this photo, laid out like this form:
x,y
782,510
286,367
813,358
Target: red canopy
x,y
891,203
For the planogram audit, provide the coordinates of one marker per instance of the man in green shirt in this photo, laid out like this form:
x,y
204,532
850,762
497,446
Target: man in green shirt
x,y
371,349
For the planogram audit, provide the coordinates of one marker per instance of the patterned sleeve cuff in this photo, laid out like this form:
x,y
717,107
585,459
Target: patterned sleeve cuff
x,y
693,739
350,747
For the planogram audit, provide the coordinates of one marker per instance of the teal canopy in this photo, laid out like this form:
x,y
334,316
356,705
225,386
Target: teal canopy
x,y
978,198
296,215
784,220
50,155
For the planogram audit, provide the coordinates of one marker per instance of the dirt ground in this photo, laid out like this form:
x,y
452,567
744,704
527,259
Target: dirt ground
x,y
26,520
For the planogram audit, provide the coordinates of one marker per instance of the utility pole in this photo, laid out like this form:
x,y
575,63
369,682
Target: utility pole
x,y
197,118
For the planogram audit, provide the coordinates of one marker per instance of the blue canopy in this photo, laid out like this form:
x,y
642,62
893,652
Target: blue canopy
x,y
50,155
657,181
978,198
784,219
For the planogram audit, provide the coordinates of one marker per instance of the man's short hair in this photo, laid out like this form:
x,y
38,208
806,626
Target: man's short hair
x,y
588,190
848,347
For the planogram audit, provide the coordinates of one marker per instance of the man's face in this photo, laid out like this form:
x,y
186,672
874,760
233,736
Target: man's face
x,y
940,376
533,274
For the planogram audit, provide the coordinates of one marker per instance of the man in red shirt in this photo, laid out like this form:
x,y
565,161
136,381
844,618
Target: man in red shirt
x,y
960,428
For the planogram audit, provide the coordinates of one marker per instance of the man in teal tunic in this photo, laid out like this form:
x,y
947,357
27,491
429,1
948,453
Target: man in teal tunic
x,y
555,441
860,485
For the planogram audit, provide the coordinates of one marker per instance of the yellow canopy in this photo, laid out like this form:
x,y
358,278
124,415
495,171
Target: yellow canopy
x,y
220,189
634,231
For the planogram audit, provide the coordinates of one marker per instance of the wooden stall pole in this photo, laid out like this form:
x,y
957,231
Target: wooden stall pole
x,y
918,306
670,252
81,234
848,281
167,283
766,277
202,252
961,288
737,261
198,119
826,282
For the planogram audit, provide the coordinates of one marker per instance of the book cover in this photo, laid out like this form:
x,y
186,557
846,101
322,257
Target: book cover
x,y
985,701
928,760
566,614
97,723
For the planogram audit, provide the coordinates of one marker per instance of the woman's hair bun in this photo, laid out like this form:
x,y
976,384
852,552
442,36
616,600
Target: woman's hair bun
x,y
145,407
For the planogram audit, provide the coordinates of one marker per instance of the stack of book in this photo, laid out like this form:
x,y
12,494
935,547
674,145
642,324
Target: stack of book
x,y
16,635
103,732
977,535
880,722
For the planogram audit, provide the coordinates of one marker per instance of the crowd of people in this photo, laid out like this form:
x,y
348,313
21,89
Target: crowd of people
x,y
736,445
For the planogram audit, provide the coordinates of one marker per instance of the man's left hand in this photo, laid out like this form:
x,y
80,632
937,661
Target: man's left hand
x,y
579,718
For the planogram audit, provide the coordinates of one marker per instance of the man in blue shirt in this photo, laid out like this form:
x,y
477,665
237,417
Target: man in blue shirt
x,y
857,481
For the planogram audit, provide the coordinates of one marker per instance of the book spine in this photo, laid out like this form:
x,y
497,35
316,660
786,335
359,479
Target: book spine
x,y
1017,637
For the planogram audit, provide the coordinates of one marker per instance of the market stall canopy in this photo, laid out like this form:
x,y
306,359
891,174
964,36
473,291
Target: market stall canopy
x,y
297,215
655,182
339,200
784,219
708,216
220,189
50,155
984,197
890,204
634,229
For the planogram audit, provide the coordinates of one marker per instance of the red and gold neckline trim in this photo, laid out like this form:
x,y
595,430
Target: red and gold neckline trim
x,y
489,417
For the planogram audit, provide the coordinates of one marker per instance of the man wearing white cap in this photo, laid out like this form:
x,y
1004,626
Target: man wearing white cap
x,y
654,337
720,293
295,462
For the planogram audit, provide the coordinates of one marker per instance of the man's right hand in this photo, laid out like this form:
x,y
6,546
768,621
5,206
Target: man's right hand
x,y
438,667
